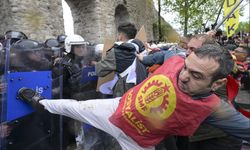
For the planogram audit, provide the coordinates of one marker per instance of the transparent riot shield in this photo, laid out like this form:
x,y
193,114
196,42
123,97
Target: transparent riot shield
x,y
88,80
27,63
3,124
88,137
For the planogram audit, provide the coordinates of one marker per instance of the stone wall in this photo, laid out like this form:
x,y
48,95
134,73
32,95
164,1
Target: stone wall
x,y
39,19
93,19
97,19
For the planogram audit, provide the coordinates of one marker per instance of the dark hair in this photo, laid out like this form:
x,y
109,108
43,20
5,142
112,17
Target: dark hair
x,y
128,29
219,54
207,29
218,32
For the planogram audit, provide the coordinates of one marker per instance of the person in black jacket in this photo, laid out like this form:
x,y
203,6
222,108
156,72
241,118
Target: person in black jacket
x,y
69,66
121,57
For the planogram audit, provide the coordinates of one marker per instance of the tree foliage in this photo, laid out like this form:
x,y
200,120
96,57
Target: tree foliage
x,y
168,33
193,13
244,27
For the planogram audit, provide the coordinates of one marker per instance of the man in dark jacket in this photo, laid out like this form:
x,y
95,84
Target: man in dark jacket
x,y
119,59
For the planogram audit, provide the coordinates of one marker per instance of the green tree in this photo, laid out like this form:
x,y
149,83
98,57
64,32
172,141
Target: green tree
x,y
159,20
244,27
193,13
168,34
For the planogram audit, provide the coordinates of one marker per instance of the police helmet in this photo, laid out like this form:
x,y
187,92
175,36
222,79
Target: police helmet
x,y
99,49
15,35
73,40
27,55
26,45
51,43
61,38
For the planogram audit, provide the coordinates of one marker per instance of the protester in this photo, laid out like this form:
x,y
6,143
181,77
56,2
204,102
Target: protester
x,y
121,60
241,54
158,107
205,134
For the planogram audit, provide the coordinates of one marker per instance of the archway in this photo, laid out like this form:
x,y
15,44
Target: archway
x,y
121,14
84,18
68,19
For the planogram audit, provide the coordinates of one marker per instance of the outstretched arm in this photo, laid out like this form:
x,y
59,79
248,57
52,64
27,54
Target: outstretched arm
x,y
155,58
107,65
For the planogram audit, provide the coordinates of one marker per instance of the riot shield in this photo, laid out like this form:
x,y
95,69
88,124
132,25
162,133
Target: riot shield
x,y
79,82
92,138
88,80
3,126
27,63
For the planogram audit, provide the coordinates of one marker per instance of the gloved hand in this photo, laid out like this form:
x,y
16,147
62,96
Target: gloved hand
x,y
67,63
73,69
75,75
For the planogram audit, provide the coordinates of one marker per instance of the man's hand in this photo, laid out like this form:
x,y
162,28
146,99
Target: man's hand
x,y
2,88
4,130
139,56
211,33
57,60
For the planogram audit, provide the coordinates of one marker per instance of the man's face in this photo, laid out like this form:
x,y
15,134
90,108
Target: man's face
x,y
193,44
80,50
196,75
119,36
240,54
122,37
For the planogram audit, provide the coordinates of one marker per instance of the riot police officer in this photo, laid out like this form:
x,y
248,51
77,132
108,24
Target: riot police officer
x,y
26,55
69,66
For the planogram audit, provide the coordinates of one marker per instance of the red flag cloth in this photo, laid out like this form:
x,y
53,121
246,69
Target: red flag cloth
x,y
232,91
156,108
244,112
232,88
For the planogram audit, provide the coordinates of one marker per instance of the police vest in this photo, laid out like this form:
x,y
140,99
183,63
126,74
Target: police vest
x,y
156,108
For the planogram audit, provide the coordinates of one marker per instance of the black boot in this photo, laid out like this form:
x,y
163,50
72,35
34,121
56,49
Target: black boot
x,y
31,97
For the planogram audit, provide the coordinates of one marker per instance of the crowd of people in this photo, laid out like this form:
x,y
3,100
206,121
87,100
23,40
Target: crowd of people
x,y
178,96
